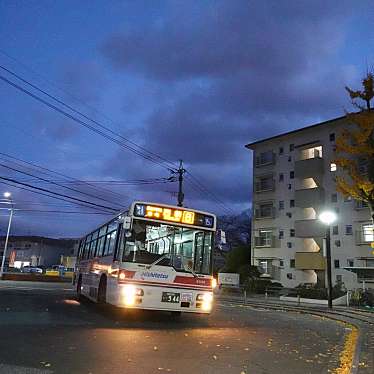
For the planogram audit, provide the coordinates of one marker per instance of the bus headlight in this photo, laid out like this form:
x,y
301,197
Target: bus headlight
x,y
206,300
214,283
130,294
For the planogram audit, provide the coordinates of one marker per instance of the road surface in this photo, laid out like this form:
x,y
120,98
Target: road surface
x,y
44,329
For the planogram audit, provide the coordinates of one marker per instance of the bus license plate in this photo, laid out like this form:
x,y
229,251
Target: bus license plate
x,y
170,297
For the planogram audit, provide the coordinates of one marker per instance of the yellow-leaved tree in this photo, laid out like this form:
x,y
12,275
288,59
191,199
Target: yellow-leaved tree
x,y
355,147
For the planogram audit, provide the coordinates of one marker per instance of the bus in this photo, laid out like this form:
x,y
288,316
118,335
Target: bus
x,y
153,256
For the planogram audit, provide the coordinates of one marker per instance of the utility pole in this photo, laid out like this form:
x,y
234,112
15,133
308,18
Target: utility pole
x,y
6,195
180,173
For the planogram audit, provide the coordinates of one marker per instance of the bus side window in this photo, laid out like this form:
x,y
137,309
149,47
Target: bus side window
x,y
118,243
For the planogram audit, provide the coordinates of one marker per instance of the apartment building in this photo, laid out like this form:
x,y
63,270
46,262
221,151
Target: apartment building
x,y
293,181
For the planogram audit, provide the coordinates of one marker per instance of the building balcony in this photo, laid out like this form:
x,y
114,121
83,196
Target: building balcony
x,y
266,242
309,197
267,185
268,213
309,168
309,228
359,205
265,159
309,261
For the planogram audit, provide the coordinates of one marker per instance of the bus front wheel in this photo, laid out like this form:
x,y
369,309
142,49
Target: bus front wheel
x,y
101,292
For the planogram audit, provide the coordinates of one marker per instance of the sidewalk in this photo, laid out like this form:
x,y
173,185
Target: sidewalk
x,y
276,300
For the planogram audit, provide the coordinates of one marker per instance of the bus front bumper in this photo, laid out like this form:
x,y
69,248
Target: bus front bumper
x,y
165,298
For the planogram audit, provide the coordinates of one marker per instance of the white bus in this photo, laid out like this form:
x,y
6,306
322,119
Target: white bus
x,y
154,256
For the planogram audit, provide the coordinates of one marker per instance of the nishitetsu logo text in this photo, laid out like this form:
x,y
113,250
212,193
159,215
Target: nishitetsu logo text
x,y
151,274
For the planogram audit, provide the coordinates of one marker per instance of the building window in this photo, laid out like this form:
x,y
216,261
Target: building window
x,y
281,205
281,263
281,234
292,233
348,230
289,186
332,166
292,203
281,177
332,137
335,230
336,264
289,275
292,147
292,263
347,199
339,278
367,231
289,245
351,263
292,174
265,238
337,243
289,214
289,158
281,150
334,198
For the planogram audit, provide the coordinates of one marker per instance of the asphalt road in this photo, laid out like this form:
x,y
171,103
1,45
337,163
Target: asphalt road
x,y
44,329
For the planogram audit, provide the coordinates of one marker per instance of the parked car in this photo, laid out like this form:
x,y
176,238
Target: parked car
x,y
32,269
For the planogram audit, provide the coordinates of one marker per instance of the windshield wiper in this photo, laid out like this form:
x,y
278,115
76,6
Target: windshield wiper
x,y
191,271
157,261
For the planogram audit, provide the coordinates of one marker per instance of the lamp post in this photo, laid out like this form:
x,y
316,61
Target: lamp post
x,y
7,195
327,218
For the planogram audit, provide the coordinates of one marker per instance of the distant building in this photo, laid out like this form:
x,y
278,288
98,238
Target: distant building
x,y
293,181
36,250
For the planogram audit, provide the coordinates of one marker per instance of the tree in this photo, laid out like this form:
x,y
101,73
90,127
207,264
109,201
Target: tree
x,y
355,147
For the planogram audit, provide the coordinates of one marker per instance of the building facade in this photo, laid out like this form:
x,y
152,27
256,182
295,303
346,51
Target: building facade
x,y
293,181
36,251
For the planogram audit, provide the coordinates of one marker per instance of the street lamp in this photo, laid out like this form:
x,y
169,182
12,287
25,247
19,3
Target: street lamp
x,y
7,195
328,217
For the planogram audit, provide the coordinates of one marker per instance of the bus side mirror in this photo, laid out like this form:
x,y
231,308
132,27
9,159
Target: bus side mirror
x,y
127,223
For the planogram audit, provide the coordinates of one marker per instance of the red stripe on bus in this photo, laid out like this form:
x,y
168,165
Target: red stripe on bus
x,y
192,280
168,285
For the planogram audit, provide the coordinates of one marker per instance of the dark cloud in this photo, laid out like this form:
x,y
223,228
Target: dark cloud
x,y
235,72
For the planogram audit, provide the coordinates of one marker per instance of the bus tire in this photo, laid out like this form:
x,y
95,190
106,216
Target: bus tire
x,y
101,292
79,287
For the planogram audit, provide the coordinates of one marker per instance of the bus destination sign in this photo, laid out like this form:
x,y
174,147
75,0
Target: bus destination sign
x,y
175,215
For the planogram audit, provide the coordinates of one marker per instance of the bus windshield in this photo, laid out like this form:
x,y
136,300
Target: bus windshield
x,y
185,249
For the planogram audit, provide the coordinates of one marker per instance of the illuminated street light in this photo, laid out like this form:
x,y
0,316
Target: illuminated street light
x,y
328,217
7,195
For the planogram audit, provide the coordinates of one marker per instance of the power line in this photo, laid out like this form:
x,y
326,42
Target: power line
x,y
54,183
110,182
55,211
141,151
47,171
197,185
51,196
59,194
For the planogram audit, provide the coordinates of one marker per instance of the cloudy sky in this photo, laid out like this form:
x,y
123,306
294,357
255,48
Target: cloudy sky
x,y
191,80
